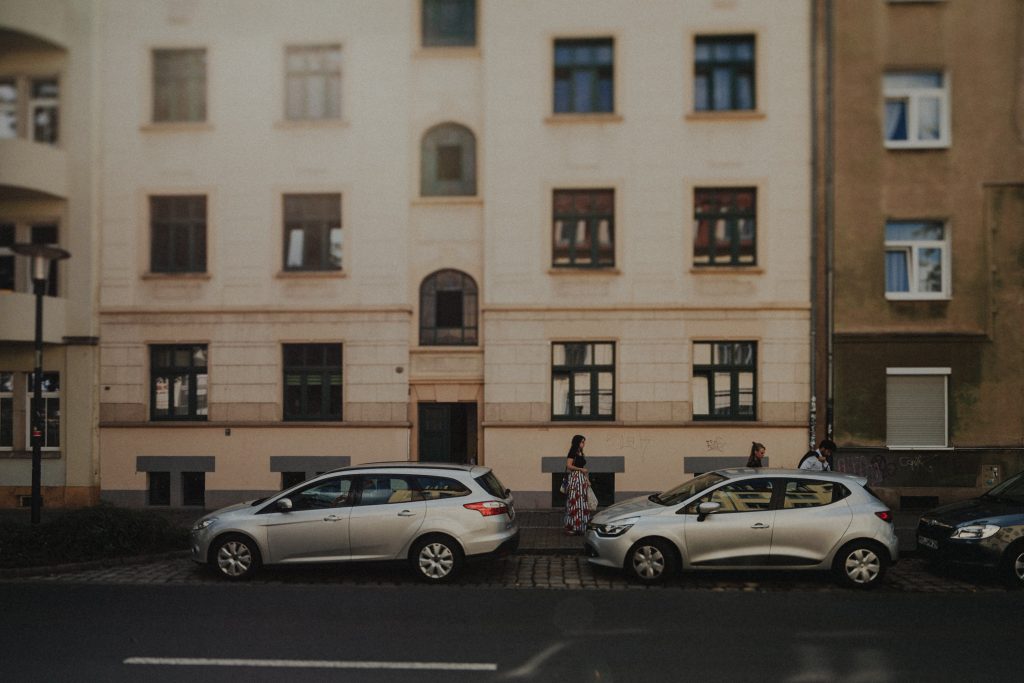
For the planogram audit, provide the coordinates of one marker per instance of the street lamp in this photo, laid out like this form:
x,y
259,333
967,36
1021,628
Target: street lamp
x,y
41,255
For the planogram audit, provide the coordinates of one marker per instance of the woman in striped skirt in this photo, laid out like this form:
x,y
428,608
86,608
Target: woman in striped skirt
x,y
577,510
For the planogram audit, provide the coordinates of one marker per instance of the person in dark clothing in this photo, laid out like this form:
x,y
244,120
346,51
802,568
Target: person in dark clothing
x,y
756,453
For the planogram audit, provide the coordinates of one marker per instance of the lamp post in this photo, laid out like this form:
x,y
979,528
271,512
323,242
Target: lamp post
x,y
41,255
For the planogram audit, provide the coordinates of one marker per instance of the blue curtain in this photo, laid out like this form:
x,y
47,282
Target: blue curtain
x,y
896,277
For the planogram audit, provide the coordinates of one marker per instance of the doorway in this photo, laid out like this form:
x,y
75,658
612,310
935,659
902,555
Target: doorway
x,y
447,432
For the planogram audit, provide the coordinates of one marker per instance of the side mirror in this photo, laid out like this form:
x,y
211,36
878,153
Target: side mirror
x,y
705,509
284,505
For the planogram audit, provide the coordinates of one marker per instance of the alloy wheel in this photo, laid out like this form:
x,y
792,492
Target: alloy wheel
x,y
436,560
234,559
648,562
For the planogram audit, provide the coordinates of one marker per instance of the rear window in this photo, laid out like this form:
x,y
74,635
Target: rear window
x,y
490,483
436,488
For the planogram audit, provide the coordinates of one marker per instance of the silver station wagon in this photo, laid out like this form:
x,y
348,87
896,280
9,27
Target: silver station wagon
x,y
751,519
434,515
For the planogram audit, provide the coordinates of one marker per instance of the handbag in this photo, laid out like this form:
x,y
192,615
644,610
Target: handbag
x,y
591,499
565,482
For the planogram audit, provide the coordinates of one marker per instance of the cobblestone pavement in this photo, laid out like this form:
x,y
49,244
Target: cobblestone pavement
x,y
547,558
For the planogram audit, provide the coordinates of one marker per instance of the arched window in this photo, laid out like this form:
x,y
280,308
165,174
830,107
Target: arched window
x,y
448,309
448,162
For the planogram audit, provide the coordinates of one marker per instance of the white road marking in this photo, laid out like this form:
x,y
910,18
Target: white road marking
x,y
529,667
310,664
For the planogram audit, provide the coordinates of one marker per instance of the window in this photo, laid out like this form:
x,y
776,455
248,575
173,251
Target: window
x,y
16,271
193,488
750,495
290,479
179,86
178,382
449,23
49,410
448,309
40,122
436,488
725,227
916,407
809,493
916,109
916,260
724,73
326,493
724,380
583,76
312,232
312,382
583,381
6,411
313,82
178,226
159,488
381,489
448,162
584,228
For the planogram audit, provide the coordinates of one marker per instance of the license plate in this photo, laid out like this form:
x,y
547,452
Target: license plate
x,y
927,542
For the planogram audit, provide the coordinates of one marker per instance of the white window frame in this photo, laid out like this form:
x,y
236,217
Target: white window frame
x,y
322,76
912,250
36,103
923,372
29,393
913,97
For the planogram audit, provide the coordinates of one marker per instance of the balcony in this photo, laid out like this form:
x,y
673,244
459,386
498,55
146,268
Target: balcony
x,y
18,313
33,166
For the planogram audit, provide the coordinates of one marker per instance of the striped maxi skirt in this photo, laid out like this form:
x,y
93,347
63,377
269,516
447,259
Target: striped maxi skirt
x,y
577,511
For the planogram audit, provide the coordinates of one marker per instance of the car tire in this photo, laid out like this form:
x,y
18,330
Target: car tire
x,y
860,564
436,558
235,557
651,561
1013,565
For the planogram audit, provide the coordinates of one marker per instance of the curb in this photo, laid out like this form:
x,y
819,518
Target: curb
x,y
71,567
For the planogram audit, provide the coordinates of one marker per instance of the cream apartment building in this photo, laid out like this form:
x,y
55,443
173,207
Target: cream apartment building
x,y
48,137
454,230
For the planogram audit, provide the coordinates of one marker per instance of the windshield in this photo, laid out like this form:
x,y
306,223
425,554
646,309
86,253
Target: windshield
x,y
1012,488
687,489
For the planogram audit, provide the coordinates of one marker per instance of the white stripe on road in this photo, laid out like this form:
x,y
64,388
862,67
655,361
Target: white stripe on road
x,y
310,664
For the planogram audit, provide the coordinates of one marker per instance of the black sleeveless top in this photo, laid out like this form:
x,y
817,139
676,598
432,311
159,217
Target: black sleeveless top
x,y
578,460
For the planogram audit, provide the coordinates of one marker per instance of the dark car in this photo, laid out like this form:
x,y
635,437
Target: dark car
x,y
987,531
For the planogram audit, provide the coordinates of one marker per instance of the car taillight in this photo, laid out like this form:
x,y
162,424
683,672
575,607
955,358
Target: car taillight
x,y
488,507
885,516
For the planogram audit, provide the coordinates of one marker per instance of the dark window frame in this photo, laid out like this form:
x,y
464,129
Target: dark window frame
x,y
448,23
565,248
313,215
570,370
737,68
317,363
734,370
432,333
711,204
193,371
584,81
177,234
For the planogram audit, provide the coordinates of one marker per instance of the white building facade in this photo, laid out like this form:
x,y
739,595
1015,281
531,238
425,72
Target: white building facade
x,y
341,232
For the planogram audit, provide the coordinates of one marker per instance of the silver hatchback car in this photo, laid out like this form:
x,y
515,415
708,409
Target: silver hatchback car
x,y
750,519
435,515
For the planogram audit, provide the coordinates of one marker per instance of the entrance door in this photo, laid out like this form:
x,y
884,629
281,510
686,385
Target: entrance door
x,y
447,432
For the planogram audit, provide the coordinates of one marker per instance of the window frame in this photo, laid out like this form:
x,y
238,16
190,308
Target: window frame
x,y
736,68
913,95
19,111
709,371
324,371
564,77
469,334
733,216
48,398
911,249
306,219
191,228
34,231
444,135
592,220
594,370
173,92
944,373
7,380
192,371
325,75
432,33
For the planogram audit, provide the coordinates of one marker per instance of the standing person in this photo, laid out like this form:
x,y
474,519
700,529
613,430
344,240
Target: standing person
x,y
756,453
577,511
820,459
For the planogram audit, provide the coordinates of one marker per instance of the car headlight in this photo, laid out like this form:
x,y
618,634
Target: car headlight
x,y
616,528
203,523
975,532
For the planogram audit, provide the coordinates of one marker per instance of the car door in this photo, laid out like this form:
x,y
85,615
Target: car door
x,y
739,533
812,519
317,526
387,515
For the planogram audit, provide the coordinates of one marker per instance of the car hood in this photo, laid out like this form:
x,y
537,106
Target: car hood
x,y
243,508
976,509
640,505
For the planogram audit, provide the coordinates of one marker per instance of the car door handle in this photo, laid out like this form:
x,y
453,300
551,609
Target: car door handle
x,y
332,518
406,513
760,525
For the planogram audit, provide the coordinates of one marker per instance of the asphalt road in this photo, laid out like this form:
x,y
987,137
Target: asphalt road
x,y
103,632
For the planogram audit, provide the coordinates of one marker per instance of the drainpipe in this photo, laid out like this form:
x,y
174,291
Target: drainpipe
x,y
812,415
829,208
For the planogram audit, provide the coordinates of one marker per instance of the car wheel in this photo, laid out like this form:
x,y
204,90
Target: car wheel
x,y
436,558
651,561
860,564
235,557
1013,565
